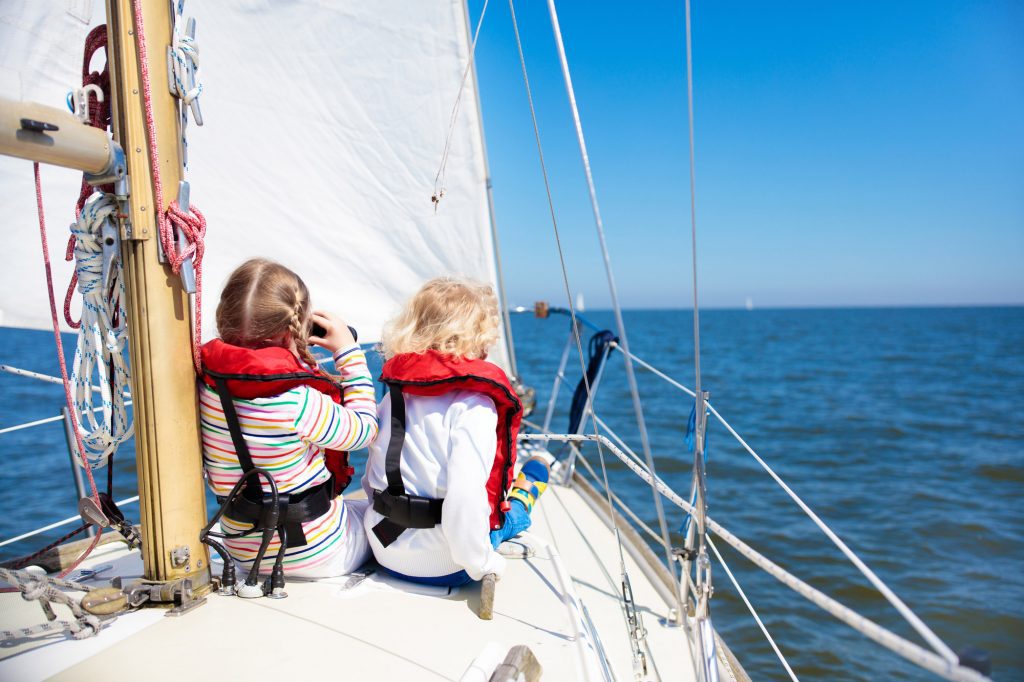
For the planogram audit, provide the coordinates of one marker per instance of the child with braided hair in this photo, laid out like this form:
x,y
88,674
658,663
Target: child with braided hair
x,y
264,403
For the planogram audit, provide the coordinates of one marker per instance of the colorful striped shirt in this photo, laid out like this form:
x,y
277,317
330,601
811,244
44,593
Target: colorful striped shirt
x,y
287,435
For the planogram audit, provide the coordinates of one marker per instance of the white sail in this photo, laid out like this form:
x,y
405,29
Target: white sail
x,y
326,125
41,48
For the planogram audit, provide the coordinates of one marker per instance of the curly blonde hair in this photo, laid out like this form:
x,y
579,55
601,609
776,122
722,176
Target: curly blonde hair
x,y
455,316
265,304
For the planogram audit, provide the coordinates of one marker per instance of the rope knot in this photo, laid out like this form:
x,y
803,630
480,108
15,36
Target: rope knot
x,y
34,589
85,626
192,225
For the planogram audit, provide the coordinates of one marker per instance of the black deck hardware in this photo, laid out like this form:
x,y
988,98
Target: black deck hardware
x,y
38,126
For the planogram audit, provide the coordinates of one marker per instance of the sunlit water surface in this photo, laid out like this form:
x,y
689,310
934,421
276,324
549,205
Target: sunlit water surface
x,y
901,427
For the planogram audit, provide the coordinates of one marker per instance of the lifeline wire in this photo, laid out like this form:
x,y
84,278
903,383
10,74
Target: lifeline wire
x,y
753,612
920,626
46,420
929,660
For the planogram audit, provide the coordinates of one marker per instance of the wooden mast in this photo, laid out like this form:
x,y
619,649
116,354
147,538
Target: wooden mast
x,y
167,444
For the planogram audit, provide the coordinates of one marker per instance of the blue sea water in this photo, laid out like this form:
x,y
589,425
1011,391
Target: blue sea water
x,y
901,427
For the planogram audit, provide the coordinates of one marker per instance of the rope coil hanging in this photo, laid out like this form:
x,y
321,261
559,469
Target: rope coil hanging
x,y
69,400
102,338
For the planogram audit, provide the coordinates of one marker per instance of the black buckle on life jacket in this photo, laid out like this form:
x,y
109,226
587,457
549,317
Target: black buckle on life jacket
x,y
403,511
408,511
293,510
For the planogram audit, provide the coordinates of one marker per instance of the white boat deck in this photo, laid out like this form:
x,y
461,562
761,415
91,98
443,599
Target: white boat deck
x,y
381,627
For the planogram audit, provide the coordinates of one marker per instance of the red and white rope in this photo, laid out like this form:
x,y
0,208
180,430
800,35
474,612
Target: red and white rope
x,y
63,365
189,220
99,117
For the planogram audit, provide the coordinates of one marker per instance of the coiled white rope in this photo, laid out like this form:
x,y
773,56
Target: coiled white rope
x,y
185,63
102,340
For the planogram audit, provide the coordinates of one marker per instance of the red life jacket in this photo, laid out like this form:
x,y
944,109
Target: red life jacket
x,y
266,372
434,373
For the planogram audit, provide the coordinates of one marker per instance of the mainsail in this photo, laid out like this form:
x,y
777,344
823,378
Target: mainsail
x,y
325,126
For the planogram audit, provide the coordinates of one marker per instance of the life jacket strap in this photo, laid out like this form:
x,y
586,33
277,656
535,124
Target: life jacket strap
x,y
253,505
399,509
293,510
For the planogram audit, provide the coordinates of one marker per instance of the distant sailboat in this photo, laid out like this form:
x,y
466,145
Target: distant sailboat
x,y
750,303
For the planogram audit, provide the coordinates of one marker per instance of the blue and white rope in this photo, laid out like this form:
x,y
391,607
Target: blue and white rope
x,y
182,70
100,358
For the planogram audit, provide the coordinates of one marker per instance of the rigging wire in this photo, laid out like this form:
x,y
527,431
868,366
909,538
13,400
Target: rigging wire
x,y
46,420
702,569
440,179
613,290
929,660
693,205
568,292
753,612
558,243
62,522
510,346
922,628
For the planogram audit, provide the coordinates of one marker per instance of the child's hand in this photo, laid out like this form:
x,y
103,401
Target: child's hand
x,y
336,332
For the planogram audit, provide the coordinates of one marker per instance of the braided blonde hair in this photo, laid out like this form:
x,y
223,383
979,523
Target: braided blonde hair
x,y
265,304
455,316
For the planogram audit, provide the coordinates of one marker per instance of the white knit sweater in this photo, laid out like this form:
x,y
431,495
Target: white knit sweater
x,y
449,450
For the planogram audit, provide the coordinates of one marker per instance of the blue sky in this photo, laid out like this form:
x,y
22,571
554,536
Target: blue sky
x,y
866,153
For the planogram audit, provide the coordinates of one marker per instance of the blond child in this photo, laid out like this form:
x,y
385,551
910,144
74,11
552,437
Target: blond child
x,y
439,474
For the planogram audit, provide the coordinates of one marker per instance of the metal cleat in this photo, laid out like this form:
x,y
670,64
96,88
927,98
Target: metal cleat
x,y
187,271
197,115
188,81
